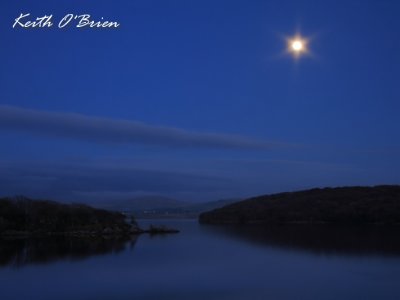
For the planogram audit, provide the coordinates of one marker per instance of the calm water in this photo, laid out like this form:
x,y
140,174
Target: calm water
x,y
207,262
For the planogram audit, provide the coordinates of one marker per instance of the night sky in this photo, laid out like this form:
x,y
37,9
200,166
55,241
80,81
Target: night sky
x,y
198,100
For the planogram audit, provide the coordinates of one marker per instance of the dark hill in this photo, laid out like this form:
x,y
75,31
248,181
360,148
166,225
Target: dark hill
x,y
23,216
344,205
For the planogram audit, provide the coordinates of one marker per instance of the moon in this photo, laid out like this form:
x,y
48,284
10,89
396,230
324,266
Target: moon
x,y
297,46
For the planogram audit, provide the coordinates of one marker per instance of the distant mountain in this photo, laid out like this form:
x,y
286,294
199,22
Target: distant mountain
x,y
143,203
206,206
345,205
163,207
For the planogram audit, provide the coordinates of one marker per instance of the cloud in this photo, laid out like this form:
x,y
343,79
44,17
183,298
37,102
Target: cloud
x,y
105,130
102,180
81,181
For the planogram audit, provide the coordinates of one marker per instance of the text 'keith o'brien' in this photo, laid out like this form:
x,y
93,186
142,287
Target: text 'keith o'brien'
x,y
78,21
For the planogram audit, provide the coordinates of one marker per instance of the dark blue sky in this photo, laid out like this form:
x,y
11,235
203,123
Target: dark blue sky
x,y
197,99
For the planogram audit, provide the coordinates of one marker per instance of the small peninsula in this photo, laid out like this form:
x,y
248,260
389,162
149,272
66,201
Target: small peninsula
x,y
342,205
21,216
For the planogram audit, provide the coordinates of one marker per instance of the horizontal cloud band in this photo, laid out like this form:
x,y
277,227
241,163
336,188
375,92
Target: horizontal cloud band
x,y
106,130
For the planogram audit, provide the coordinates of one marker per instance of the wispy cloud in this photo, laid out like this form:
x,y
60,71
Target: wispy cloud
x,y
81,181
101,179
105,130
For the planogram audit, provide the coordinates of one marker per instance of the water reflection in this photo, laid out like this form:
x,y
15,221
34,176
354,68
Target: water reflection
x,y
322,239
24,251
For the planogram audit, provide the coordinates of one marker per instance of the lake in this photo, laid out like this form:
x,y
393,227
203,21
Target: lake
x,y
207,262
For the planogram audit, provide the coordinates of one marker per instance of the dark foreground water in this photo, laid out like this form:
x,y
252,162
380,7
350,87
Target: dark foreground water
x,y
208,262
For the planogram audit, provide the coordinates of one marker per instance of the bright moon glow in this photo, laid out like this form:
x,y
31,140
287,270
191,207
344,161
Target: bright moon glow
x,y
297,46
